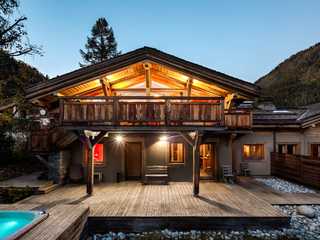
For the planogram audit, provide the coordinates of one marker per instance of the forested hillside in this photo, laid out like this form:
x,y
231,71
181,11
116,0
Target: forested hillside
x,y
296,81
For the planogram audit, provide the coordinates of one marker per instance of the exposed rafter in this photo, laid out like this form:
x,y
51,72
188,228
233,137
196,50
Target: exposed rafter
x,y
147,69
128,77
128,83
188,87
104,88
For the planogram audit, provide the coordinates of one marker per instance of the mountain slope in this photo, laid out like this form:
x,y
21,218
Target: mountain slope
x,y
296,81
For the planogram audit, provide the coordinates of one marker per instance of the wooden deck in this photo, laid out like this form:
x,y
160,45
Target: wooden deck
x,y
31,181
65,222
278,198
131,206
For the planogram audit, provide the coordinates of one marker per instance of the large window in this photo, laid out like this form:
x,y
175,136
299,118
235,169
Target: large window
x,y
253,152
97,155
177,152
315,150
288,148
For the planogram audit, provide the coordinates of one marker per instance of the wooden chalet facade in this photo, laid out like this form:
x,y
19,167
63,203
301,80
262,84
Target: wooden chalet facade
x,y
147,115
119,119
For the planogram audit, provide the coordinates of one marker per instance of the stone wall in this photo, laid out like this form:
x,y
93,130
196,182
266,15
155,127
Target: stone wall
x,y
59,163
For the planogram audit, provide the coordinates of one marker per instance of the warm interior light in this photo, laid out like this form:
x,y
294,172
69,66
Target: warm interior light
x,y
119,138
163,138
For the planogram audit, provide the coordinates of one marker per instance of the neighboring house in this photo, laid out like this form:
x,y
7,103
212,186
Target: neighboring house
x,y
149,111
292,131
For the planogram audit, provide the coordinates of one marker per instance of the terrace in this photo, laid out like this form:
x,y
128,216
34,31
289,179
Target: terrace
x,y
128,111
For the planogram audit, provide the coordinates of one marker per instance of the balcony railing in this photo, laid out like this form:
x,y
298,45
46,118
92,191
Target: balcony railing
x,y
151,111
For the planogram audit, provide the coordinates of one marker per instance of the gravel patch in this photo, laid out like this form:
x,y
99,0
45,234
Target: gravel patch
x,y
283,185
301,227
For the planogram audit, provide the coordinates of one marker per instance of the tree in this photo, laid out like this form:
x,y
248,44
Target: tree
x,y
101,45
13,36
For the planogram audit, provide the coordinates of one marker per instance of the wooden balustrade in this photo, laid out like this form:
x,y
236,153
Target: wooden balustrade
x,y
150,111
238,118
299,168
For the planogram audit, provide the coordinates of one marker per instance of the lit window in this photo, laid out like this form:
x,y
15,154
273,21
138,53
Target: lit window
x,y
176,153
253,151
97,155
288,148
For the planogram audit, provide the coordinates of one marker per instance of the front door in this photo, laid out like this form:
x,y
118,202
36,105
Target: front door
x,y
133,160
208,161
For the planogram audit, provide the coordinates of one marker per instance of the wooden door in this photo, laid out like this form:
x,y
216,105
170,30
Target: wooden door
x,y
133,160
208,161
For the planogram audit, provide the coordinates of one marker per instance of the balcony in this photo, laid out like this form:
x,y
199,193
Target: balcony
x,y
151,111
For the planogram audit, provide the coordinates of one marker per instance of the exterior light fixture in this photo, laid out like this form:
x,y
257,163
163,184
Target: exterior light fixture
x,y
163,138
119,138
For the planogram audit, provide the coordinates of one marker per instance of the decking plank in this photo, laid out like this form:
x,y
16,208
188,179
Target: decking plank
x,y
175,199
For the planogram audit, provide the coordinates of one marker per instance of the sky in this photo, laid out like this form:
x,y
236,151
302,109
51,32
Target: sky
x,y
244,39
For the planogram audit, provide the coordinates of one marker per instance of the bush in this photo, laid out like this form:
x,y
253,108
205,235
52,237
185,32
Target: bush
x,y
13,194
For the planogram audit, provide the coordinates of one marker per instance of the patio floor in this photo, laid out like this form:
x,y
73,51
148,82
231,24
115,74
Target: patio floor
x,y
135,199
131,206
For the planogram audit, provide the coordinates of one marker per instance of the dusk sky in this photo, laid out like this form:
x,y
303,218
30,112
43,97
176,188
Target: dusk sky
x,y
245,39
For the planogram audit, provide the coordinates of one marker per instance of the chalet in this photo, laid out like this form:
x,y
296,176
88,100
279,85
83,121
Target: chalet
x,y
150,116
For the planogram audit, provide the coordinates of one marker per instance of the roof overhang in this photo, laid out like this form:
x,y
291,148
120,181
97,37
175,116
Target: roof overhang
x,y
89,73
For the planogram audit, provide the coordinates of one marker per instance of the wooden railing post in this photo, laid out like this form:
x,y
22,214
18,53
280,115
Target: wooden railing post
x,y
167,112
115,110
61,109
222,116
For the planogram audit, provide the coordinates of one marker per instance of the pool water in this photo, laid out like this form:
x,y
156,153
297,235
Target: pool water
x,y
14,223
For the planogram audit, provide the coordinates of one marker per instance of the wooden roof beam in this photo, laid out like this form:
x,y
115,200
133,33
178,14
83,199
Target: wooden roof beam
x,y
147,68
106,87
188,87
128,83
228,100
152,90
137,74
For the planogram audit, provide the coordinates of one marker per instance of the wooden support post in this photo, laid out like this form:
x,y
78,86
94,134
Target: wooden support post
x,y
89,144
196,164
147,67
90,166
189,87
274,141
187,138
104,88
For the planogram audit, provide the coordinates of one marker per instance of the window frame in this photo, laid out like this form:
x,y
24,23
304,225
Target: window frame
x,y
252,159
310,150
286,147
96,164
183,153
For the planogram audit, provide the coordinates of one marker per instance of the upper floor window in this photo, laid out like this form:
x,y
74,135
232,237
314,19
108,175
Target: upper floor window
x,y
315,150
288,148
253,151
177,152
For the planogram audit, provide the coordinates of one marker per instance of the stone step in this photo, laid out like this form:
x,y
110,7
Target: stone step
x,y
47,189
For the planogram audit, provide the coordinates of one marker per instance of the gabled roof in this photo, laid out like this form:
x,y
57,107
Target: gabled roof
x,y
146,53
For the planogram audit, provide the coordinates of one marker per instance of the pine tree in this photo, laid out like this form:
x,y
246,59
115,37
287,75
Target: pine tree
x,y
101,45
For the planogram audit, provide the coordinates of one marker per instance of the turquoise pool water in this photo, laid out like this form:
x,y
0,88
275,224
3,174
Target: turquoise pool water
x,y
14,223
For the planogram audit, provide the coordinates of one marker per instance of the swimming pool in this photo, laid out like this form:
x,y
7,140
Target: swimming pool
x,y
13,224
